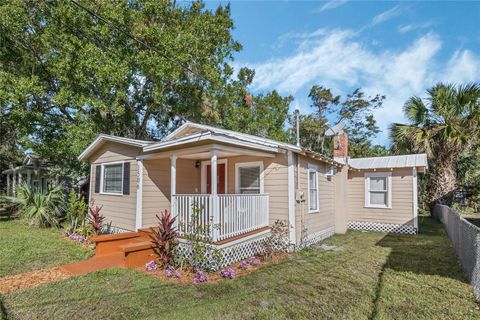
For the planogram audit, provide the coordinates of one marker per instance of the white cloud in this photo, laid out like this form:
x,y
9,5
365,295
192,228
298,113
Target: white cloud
x,y
413,26
339,60
332,4
386,15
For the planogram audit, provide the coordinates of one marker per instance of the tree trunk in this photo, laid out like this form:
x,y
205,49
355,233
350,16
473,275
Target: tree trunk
x,y
443,181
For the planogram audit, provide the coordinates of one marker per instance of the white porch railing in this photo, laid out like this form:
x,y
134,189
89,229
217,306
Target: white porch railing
x,y
224,215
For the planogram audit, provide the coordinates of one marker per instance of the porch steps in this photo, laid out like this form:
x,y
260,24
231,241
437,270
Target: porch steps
x,y
125,250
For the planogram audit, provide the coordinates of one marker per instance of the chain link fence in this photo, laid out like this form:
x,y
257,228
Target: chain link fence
x,y
466,241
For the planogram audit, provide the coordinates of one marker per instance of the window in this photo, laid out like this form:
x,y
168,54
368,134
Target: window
x,y
112,178
378,188
249,177
331,171
312,190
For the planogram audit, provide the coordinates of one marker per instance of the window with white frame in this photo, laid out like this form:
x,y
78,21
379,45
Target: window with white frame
x,y
312,189
112,181
378,190
249,178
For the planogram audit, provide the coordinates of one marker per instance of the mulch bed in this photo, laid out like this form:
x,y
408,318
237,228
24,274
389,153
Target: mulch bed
x,y
187,275
32,279
87,244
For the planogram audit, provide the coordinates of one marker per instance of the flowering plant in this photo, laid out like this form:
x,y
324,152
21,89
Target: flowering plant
x,y
200,277
252,261
77,237
228,273
170,271
150,266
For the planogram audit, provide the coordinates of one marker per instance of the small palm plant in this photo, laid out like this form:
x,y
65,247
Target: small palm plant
x,y
165,237
43,208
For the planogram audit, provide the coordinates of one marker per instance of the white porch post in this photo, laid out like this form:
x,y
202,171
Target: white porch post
x,y
14,183
215,212
173,186
8,185
139,207
415,199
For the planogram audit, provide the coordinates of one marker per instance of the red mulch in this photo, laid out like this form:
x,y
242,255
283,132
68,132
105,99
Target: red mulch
x,y
187,275
31,279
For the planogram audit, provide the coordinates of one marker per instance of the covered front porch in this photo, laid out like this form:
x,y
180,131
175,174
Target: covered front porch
x,y
225,199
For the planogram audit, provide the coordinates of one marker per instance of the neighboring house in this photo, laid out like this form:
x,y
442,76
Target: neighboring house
x,y
33,171
244,183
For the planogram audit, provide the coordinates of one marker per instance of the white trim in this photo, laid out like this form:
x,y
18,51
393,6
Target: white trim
x,y
415,198
239,165
102,177
206,148
104,137
312,168
291,197
202,136
387,175
139,205
203,174
234,134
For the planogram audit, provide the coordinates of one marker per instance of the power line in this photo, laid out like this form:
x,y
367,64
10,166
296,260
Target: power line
x,y
143,43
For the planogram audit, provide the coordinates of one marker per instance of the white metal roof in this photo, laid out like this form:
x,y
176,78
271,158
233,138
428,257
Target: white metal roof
x,y
403,161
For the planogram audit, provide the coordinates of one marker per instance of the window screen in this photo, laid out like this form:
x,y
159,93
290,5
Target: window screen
x,y
249,180
313,190
379,191
112,178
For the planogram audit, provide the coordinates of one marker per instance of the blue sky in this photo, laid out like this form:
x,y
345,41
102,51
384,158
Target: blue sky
x,y
394,48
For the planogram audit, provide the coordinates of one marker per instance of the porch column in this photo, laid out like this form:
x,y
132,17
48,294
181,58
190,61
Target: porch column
x,y
173,186
14,183
214,196
8,184
139,204
29,177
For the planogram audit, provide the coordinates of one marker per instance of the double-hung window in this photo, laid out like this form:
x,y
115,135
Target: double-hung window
x,y
112,178
249,177
312,189
378,190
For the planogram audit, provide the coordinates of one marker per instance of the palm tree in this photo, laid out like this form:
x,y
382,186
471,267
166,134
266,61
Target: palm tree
x,y
444,125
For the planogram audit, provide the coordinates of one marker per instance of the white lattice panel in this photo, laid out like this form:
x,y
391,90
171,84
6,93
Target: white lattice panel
x,y
316,237
382,227
228,255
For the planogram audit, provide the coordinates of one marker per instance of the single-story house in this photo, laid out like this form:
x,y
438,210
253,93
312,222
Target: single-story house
x,y
33,171
244,183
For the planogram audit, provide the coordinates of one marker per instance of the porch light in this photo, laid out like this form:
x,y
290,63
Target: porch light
x,y
197,164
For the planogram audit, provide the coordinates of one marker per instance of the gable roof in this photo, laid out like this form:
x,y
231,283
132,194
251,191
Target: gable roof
x,y
229,133
102,138
403,161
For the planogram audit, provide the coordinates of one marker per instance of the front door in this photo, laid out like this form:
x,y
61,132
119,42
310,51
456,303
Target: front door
x,y
220,178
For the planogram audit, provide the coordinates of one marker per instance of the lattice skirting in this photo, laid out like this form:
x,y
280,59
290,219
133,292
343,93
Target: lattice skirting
x,y
219,257
382,227
316,237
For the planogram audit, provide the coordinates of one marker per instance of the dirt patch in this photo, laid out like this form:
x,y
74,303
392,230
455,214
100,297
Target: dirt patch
x,y
187,275
31,279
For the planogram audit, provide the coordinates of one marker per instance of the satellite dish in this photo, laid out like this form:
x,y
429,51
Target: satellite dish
x,y
335,130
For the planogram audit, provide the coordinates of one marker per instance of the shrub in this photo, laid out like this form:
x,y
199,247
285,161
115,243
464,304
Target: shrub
x,y
43,208
76,213
165,237
95,218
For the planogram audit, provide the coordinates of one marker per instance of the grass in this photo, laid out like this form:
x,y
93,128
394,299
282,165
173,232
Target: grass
x,y
374,276
24,248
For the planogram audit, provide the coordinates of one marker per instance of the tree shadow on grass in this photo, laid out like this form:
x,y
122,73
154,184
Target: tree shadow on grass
x,y
428,253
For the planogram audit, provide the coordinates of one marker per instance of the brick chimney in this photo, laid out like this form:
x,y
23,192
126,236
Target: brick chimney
x,y
340,145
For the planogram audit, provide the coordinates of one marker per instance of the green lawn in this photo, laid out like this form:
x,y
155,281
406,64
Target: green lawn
x,y
24,248
375,276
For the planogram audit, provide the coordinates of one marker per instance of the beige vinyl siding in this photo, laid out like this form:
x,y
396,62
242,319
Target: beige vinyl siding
x,y
402,199
275,182
325,217
118,209
156,185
